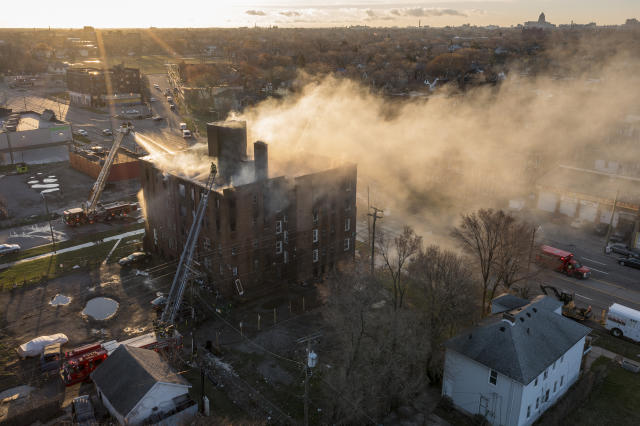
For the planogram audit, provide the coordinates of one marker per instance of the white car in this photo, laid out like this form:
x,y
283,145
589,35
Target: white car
x,y
107,132
152,99
9,248
133,111
186,133
81,132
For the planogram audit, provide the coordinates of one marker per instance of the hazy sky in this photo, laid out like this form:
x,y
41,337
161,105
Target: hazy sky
x,y
308,13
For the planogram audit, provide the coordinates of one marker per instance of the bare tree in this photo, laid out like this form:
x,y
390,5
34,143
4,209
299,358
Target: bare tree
x,y
500,245
376,366
445,294
396,253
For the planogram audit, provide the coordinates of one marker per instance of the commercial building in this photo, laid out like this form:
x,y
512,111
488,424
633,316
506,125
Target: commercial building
x,y
93,86
263,227
90,161
517,364
588,195
32,138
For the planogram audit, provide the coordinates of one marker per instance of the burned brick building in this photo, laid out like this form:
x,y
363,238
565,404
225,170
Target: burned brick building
x,y
89,86
262,228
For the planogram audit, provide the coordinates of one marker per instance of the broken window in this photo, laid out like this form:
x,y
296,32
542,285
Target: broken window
x,y
235,271
278,227
286,257
255,243
347,186
255,199
347,205
315,235
346,244
181,189
234,251
347,224
207,263
221,269
315,255
183,211
316,216
278,247
286,237
207,244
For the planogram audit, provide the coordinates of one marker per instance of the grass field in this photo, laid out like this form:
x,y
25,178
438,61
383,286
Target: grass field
x,y
616,401
623,347
60,264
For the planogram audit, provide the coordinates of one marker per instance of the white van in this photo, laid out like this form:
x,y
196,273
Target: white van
x,y
623,321
183,126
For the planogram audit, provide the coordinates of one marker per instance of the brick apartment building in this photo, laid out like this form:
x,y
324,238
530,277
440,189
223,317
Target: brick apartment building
x,y
255,235
88,86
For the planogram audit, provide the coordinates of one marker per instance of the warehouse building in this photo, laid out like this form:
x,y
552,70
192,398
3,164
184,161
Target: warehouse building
x,y
32,138
263,227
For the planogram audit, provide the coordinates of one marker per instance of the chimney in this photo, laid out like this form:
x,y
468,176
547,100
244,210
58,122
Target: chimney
x,y
261,160
509,317
227,142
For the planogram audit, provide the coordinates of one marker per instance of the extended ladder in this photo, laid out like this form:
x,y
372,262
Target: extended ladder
x,y
98,186
184,266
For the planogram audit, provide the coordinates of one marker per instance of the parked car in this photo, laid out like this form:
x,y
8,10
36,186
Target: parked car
x,y
82,411
133,111
157,118
136,258
81,132
107,132
186,133
9,248
622,249
629,261
152,99
50,359
156,86
172,107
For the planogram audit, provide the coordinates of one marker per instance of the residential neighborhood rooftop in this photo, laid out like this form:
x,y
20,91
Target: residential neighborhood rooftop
x,y
524,346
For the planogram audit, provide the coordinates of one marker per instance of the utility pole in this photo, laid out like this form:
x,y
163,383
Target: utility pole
x,y
373,237
310,362
613,212
46,208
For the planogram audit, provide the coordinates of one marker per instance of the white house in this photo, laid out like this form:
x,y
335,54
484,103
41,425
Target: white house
x,y
137,386
516,365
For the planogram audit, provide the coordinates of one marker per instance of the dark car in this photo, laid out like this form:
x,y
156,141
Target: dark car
x,y
622,249
629,261
136,258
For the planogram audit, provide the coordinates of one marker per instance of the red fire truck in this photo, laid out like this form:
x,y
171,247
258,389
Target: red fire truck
x,y
80,362
563,261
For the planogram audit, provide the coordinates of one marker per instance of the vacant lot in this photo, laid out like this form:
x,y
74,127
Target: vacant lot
x,y
27,313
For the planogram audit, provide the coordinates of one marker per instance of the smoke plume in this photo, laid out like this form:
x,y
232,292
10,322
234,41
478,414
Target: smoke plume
x,y
433,158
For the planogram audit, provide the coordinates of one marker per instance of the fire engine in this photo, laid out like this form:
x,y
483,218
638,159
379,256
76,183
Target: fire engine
x,y
93,211
563,261
80,362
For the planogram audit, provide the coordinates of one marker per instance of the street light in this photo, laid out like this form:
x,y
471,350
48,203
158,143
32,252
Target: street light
x,y
46,207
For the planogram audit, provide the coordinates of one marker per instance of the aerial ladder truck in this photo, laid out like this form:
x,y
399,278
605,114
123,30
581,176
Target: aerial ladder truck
x,y
184,271
93,211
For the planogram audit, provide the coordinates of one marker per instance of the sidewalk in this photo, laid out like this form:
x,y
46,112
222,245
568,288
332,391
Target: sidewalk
x,y
74,248
596,352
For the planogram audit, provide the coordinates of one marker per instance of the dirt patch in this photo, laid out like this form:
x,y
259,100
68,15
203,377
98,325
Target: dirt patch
x,y
28,314
101,308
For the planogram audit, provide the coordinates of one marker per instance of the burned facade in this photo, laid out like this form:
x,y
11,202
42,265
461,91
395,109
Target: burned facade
x,y
255,235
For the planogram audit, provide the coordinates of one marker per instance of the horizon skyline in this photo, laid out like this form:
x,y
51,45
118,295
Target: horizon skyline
x,y
317,14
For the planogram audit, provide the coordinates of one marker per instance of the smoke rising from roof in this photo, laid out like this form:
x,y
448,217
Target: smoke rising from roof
x,y
435,158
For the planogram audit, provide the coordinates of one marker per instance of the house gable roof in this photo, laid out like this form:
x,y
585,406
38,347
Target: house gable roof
x,y
521,350
507,302
129,373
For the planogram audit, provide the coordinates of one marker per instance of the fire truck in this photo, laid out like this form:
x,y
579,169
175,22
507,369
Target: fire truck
x,y
563,261
80,362
93,211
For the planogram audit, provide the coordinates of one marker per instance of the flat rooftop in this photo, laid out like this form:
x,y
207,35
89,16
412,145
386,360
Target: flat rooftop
x,y
193,164
30,120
